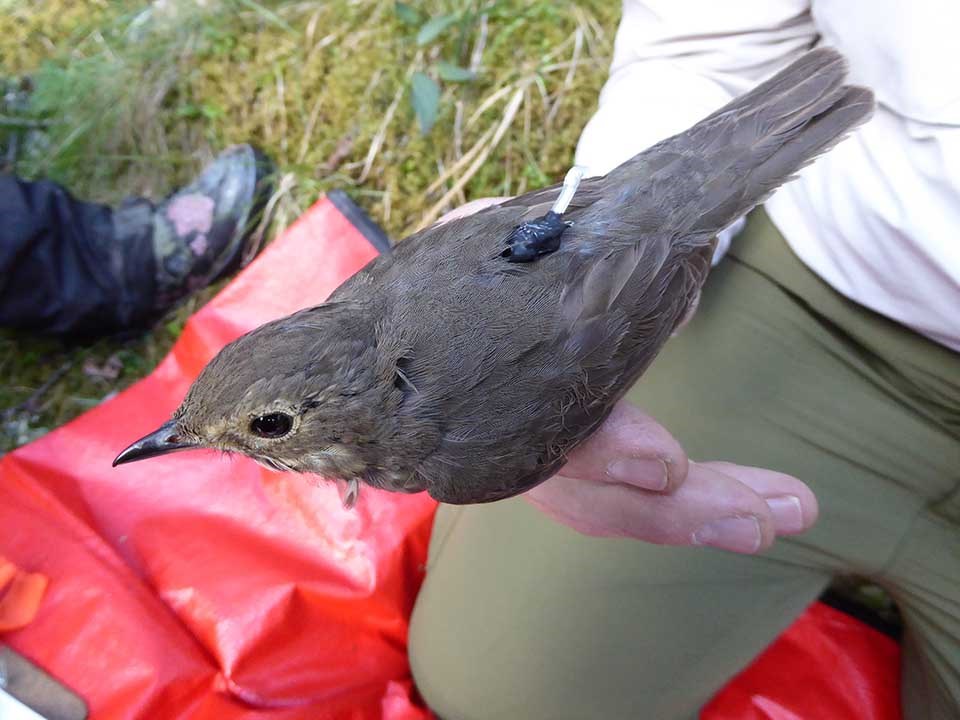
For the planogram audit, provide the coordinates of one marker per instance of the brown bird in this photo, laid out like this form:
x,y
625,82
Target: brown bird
x,y
471,360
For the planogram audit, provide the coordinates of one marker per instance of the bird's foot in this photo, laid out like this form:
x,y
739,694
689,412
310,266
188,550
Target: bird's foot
x,y
349,492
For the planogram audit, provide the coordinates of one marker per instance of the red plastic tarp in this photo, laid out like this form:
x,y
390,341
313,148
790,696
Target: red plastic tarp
x,y
206,587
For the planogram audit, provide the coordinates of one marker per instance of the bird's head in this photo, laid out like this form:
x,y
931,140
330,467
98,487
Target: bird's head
x,y
303,393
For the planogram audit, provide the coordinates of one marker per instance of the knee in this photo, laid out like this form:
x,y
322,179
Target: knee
x,y
436,663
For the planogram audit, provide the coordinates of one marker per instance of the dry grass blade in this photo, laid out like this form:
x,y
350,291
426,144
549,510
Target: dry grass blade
x,y
476,55
378,139
544,93
268,15
312,25
434,212
568,80
287,183
466,158
458,130
596,36
308,129
488,103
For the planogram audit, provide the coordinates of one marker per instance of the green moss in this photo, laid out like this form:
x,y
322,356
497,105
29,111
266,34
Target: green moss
x,y
138,97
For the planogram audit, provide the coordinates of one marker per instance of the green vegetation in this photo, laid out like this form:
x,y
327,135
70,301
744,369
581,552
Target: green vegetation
x,y
132,98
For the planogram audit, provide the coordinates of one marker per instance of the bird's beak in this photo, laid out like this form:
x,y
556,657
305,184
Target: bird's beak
x,y
161,441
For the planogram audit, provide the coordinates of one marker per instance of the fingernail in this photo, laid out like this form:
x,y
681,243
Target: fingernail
x,y
787,513
651,474
739,534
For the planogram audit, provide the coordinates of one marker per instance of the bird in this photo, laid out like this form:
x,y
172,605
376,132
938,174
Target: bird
x,y
474,358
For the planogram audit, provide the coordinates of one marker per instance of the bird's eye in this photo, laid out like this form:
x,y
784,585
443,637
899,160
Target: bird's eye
x,y
274,425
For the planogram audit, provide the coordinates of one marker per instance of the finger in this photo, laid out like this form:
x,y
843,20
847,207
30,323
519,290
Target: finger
x,y
710,508
792,502
470,208
632,448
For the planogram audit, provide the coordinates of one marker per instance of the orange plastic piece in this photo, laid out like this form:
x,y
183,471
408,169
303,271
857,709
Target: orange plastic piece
x,y
7,571
20,595
207,588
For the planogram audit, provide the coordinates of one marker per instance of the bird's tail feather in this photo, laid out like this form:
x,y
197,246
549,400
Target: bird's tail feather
x,y
763,138
778,128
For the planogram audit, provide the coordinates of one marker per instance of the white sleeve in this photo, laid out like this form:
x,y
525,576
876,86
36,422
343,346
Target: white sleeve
x,y
676,61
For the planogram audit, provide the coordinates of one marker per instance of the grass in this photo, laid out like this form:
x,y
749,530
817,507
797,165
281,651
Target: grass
x,y
135,97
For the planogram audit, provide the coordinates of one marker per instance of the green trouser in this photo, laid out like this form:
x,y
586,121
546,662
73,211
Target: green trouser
x,y
521,617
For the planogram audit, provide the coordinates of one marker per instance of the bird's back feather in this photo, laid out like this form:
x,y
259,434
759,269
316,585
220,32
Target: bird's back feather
x,y
518,363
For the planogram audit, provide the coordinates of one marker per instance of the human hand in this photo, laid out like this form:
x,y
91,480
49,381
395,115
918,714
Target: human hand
x,y
632,479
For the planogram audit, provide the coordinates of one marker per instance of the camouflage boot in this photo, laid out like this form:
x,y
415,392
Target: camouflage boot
x,y
200,232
